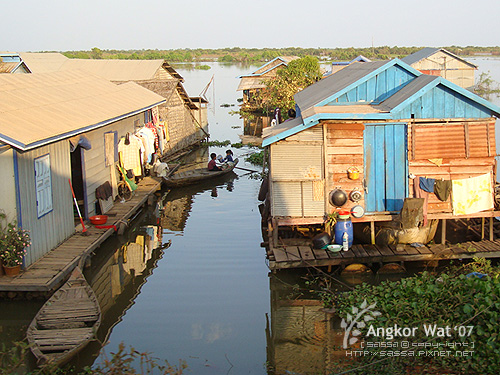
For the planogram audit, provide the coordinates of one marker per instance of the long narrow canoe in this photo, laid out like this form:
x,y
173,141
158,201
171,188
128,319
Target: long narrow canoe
x,y
66,322
196,175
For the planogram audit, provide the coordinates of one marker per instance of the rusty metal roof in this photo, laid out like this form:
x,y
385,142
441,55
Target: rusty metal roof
x,y
37,109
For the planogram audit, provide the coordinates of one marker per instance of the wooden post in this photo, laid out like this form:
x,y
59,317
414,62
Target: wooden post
x,y
372,232
482,228
443,231
492,234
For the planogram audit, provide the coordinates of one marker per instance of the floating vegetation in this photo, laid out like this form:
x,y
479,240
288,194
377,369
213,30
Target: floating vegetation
x,y
257,158
236,127
203,67
217,143
227,105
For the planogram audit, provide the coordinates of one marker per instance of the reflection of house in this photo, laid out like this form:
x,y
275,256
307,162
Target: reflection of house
x,y
252,83
440,62
339,65
185,117
42,117
389,121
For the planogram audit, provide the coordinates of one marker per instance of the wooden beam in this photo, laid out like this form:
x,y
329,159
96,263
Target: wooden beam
x,y
443,231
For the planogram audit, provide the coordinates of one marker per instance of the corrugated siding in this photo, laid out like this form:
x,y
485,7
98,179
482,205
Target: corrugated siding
x,y
8,186
56,226
297,178
296,199
314,134
451,141
96,171
296,162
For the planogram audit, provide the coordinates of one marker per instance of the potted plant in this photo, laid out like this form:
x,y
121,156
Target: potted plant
x,y
13,243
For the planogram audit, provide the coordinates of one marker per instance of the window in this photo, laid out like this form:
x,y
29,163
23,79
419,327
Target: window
x,y
43,184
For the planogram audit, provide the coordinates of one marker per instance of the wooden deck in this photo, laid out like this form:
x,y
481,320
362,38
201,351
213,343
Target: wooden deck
x,y
50,272
293,256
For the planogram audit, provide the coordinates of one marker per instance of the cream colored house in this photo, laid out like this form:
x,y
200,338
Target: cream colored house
x,y
42,119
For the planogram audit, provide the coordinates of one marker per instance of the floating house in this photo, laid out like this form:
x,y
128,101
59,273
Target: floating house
x,y
252,83
57,128
393,126
11,63
185,117
440,62
339,65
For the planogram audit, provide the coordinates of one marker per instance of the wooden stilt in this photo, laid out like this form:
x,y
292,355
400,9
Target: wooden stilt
x,y
443,231
492,234
372,232
482,228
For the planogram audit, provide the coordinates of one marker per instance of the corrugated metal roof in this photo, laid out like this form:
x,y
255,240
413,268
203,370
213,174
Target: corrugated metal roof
x,y
37,109
334,83
406,92
113,70
8,67
419,55
428,51
43,62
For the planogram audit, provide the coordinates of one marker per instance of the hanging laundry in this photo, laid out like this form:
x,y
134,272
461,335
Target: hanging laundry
x,y
471,195
442,189
130,153
148,139
149,125
419,193
427,184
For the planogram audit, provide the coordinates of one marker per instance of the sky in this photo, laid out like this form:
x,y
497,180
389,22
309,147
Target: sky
x,y
64,25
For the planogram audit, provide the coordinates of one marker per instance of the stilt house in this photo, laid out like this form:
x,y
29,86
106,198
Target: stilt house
x,y
252,83
440,62
391,123
56,128
184,117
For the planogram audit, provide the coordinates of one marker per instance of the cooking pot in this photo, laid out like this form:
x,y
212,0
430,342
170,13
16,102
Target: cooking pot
x,y
338,197
322,240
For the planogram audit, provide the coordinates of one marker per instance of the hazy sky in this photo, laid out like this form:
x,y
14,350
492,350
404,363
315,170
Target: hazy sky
x,y
61,25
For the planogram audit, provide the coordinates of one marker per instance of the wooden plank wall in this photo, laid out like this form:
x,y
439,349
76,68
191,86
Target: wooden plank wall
x,y
344,150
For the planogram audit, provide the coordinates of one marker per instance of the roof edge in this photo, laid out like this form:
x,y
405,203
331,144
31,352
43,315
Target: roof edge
x,y
33,145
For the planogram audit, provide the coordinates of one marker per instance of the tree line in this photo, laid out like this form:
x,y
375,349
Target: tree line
x,y
250,55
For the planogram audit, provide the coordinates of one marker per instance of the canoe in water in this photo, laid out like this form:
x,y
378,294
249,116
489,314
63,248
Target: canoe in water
x,y
196,175
66,322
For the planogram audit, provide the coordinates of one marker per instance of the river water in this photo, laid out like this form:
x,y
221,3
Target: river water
x,y
189,280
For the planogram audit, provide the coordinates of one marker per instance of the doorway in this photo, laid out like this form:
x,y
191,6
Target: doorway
x,y
77,181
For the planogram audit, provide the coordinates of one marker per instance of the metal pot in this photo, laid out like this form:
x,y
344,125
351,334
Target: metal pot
x,y
321,240
338,197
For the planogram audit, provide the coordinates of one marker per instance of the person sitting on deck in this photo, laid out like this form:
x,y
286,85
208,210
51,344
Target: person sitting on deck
x,y
212,166
229,156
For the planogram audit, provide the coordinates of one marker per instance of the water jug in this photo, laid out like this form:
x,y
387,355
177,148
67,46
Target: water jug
x,y
344,226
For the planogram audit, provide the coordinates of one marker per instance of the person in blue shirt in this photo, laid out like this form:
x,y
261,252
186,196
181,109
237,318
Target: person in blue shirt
x,y
229,156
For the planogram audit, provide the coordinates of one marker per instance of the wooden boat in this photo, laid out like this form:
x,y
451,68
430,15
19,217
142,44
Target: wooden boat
x,y
196,175
66,322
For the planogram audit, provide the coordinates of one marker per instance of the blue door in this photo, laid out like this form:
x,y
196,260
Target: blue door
x,y
386,167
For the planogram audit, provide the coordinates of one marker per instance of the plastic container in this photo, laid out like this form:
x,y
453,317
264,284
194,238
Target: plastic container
x,y
344,226
98,219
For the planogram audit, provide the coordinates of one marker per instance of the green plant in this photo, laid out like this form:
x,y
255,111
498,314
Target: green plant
x,y
257,158
13,243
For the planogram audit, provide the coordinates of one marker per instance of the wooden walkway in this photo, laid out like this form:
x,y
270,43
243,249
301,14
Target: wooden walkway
x,y
50,271
293,256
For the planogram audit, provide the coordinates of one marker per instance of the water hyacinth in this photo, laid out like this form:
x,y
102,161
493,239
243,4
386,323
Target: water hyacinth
x,y
13,243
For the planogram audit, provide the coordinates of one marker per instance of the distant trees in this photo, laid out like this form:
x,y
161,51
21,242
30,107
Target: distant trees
x,y
486,87
289,80
256,55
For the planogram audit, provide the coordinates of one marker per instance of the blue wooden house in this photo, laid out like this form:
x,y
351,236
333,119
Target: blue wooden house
x,y
389,122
